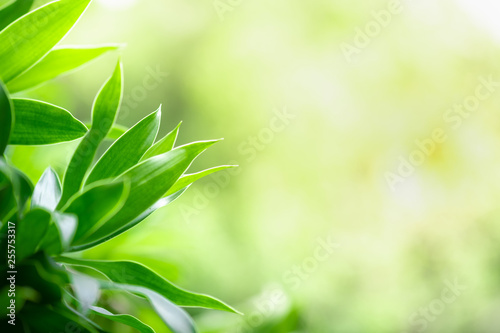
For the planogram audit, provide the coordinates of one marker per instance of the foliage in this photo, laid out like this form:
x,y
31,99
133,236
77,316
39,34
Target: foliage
x,y
44,225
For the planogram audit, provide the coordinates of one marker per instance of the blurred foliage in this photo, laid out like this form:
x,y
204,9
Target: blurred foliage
x,y
324,173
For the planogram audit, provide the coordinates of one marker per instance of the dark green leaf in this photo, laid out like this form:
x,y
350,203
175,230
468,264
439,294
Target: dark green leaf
x,y
127,150
57,62
131,273
47,192
103,116
43,319
95,206
13,11
164,145
150,180
39,123
30,232
124,319
6,118
29,38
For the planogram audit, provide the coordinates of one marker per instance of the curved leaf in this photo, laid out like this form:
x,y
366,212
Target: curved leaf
x,y
30,232
57,62
187,180
103,116
47,192
131,273
149,181
125,152
6,118
95,206
39,123
29,38
164,145
123,318
13,11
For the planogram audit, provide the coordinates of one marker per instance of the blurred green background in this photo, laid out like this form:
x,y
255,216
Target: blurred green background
x,y
343,216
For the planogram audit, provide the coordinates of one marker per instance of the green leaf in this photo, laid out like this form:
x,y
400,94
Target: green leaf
x,y
164,145
29,38
177,320
20,186
13,11
39,123
149,181
47,192
30,232
95,206
123,318
187,180
57,62
6,118
42,319
131,273
103,116
125,152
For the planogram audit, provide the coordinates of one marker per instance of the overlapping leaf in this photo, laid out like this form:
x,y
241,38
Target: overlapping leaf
x,y
13,11
29,38
166,144
127,150
131,273
124,319
103,116
39,123
149,181
57,62
96,205
188,179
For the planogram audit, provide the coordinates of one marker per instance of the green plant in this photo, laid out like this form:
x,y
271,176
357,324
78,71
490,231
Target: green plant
x,y
42,225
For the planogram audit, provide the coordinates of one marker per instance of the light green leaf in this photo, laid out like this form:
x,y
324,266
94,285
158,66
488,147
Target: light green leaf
x,y
177,320
47,192
13,11
125,152
103,116
124,319
30,232
150,180
131,273
29,38
95,206
187,180
39,123
6,118
164,145
57,62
